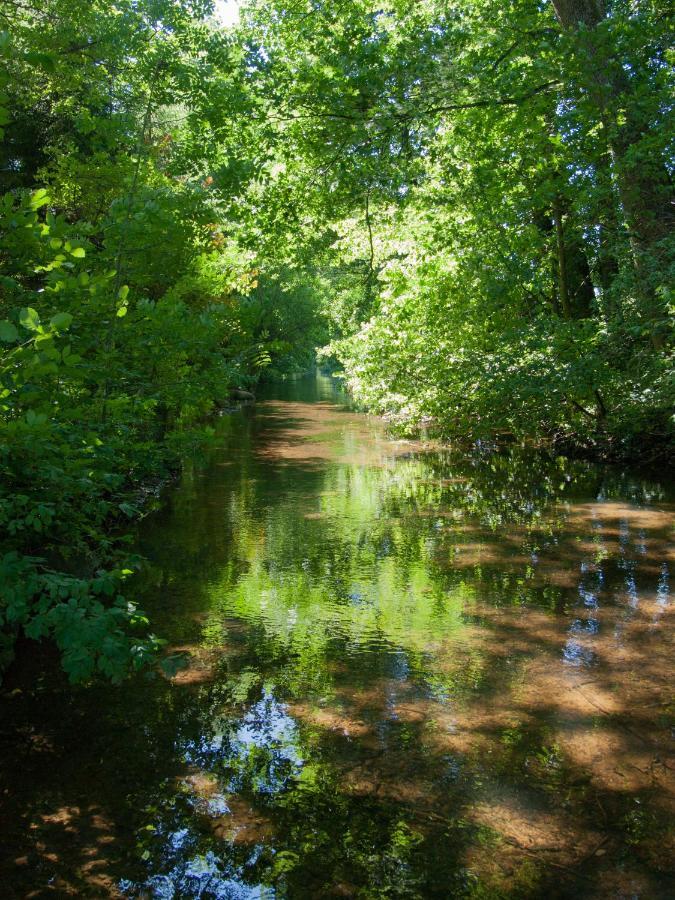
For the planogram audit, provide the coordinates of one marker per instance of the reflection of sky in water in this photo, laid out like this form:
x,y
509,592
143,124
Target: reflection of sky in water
x,y
628,565
663,590
587,626
268,727
201,876
592,580
356,597
575,654
204,750
267,732
662,595
216,806
631,590
265,736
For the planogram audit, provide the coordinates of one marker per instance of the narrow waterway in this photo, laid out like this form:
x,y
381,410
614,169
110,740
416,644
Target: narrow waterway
x,y
411,672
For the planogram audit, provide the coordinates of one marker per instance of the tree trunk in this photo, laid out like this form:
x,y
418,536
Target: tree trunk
x,y
579,278
572,13
563,288
644,188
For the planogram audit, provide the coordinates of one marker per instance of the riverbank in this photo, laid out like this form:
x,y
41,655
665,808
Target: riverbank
x,y
68,537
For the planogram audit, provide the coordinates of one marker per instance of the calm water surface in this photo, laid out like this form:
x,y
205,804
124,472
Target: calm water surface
x,y
411,672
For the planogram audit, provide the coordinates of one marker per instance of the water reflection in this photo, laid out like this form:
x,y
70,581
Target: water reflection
x,y
257,753
412,672
663,591
199,876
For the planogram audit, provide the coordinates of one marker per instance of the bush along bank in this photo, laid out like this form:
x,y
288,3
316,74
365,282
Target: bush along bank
x,y
102,394
131,305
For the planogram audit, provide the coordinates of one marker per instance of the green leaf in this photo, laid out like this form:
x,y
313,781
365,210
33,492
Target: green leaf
x,y
8,332
39,198
122,311
61,321
33,418
78,253
41,60
173,664
29,318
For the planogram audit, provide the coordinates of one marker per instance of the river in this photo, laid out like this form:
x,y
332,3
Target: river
x,y
410,672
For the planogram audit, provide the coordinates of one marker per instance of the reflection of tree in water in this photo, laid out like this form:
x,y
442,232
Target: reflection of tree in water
x,y
436,570
421,675
255,754
259,752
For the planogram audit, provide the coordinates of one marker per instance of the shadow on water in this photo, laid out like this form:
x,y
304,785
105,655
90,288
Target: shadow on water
x,y
411,673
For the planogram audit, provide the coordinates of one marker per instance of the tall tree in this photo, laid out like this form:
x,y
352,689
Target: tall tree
x,y
614,54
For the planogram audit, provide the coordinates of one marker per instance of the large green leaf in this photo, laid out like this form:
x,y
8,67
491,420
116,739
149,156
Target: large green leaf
x,y
8,332
61,321
29,318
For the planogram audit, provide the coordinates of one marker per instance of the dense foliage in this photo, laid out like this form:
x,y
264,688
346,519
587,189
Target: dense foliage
x,y
128,311
476,198
498,181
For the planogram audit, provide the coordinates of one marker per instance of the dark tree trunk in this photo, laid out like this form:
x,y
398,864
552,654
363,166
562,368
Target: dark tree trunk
x,y
579,279
563,288
645,190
